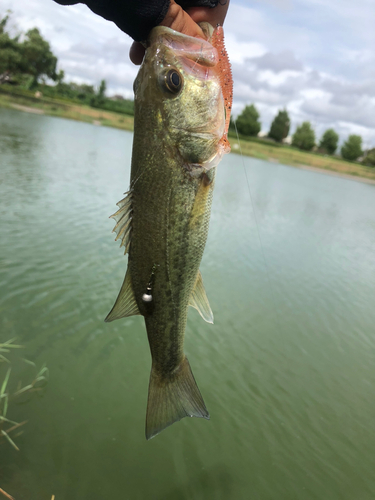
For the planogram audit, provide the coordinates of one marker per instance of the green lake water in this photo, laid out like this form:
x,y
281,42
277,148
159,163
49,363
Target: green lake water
x,y
287,371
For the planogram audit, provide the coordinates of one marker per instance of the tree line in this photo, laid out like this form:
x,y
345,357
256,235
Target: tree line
x,y
304,138
26,61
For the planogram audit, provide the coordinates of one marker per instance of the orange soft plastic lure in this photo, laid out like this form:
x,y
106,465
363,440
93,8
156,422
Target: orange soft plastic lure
x,y
225,74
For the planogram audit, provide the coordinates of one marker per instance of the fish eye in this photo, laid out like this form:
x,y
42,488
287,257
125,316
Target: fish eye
x,y
173,81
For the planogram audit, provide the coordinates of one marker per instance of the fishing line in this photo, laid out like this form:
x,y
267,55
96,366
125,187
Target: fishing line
x,y
258,231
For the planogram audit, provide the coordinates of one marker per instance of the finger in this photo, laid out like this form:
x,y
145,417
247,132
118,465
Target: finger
x,y
136,53
213,16
180,21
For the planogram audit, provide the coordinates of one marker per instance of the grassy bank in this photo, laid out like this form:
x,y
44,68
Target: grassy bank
x,y
26,101
294,157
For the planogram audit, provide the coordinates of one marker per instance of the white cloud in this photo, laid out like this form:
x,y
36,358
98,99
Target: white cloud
x,y
284,60
239,50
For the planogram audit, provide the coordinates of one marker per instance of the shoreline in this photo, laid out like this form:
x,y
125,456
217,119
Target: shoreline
x,y
27,109
275,154
333,173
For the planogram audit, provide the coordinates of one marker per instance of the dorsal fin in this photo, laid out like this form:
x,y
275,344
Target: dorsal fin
x,y
125,304
226,80
123,217
199,300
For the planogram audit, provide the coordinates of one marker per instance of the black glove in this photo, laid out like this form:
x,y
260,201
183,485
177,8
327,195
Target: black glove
x,y
137,17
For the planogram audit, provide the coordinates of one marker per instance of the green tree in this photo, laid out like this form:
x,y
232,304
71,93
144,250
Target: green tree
x,y
102,89
329,141
352,148
304,137
98,100
60,77
3,22
248,121
369,159
38,58
11,60
280,126
31,57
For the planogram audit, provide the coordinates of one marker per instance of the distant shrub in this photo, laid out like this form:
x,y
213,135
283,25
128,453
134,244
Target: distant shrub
x,y
124,106
369,159
85,94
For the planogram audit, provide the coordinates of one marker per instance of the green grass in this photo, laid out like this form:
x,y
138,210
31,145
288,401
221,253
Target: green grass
x,y
8,396
22,100
294,157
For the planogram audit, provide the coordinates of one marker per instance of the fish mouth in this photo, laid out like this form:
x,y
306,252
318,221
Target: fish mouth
x,y
196,49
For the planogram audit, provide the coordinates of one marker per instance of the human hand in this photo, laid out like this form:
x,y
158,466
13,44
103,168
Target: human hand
x,y
185,22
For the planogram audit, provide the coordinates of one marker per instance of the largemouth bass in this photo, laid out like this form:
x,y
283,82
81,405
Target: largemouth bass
x,y
182,106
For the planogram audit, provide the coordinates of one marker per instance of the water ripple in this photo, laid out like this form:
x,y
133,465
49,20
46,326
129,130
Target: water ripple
x,y
287,370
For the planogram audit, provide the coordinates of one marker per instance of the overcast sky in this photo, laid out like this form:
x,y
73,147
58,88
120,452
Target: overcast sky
x,y
314,57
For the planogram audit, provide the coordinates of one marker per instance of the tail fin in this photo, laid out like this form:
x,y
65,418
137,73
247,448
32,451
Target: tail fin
x,y
170,400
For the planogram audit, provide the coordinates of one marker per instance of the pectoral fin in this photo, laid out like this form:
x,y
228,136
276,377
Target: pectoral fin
x,y
125,304
199,300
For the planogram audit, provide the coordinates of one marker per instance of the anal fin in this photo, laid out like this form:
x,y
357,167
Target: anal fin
x,y
199,300
125,304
